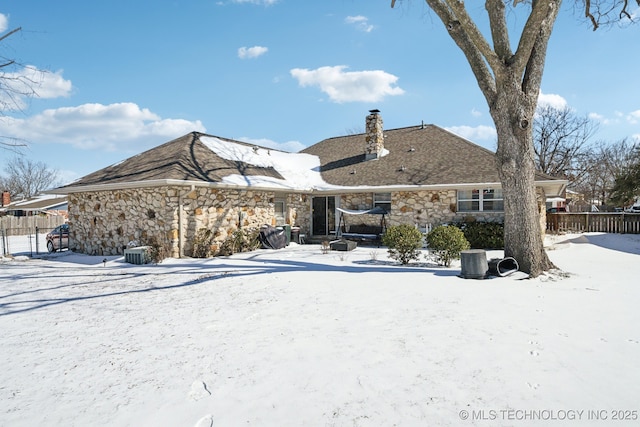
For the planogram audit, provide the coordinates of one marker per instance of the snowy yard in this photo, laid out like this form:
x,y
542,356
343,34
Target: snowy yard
x,y
297,338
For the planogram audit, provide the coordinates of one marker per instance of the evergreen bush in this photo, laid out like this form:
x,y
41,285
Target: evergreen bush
x,y
445,243
484,235
403,242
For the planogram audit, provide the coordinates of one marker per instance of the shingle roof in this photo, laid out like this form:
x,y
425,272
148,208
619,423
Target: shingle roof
x,y
418,155
38,203
185,158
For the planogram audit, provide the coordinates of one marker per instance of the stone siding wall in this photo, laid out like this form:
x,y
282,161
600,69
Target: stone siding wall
x,y
298,208
428,207
106,222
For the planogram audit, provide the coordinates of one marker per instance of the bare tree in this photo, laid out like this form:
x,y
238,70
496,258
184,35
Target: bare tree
x,y
561,140
356,130
15,86
510,82
25,178
603,163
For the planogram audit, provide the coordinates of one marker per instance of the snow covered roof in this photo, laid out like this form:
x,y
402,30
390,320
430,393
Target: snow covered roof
x,y
39,203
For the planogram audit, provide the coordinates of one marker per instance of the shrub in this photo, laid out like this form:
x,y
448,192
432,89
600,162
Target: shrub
x,y
203,243
157,251
484,235
445,243
241,240
403,242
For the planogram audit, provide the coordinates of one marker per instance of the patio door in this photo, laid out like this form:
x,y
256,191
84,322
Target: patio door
x,y
323,215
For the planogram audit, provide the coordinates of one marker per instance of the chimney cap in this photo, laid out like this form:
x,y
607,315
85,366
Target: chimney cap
x,y
374,111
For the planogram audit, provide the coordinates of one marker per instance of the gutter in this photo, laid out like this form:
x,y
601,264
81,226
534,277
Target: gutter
x,y
329,189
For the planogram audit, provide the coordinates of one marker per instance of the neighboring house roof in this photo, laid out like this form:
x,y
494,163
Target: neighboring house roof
x,y
42,203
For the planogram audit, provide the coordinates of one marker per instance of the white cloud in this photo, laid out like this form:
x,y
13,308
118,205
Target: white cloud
x,y
95,126
4,23
251,52
289,146
477,133
29,81
475,113
552,100
53,85
599,118
633,117
360,22
349,86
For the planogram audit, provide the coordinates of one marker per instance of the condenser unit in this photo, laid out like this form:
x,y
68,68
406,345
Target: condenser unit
x,y
136,255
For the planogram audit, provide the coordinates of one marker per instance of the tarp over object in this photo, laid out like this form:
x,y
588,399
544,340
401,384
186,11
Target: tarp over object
x,y
375,211
272,237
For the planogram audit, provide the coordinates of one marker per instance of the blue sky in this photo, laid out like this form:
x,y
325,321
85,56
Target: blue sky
x,y
125,76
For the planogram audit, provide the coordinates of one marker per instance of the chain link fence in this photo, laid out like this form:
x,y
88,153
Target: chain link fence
x,y
26,235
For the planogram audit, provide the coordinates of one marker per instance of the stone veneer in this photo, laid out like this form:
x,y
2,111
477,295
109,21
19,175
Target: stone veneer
x,y
105,222
424,207
374,138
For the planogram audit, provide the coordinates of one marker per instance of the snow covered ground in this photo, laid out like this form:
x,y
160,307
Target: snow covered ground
x,y
295,337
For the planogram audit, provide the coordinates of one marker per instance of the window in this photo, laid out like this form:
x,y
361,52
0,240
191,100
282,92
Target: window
x,y
383,200
489,199
280,211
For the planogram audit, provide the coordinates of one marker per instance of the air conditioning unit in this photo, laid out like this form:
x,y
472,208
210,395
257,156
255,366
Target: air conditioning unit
x,y
136,255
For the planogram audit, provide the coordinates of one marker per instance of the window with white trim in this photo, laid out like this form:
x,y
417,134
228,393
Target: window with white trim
x,y
485,200
383,200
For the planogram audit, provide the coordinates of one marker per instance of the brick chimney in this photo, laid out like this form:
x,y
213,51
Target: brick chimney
x,y
374,137
6,198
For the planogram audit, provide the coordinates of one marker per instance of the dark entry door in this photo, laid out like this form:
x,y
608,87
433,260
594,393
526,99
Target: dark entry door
x,y
324,215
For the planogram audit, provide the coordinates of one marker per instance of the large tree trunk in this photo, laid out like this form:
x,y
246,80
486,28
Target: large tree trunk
x,y
513,114
510,83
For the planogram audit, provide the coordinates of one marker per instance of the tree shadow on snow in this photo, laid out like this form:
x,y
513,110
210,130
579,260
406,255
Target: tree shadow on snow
x,y
91,280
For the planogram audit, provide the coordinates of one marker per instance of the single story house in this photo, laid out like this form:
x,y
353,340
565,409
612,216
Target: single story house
x,y
422,175
44,204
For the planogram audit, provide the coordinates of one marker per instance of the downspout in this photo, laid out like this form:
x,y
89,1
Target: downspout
x,y
181,221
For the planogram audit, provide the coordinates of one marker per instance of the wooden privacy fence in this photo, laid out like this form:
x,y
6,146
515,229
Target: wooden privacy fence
x,y
23,225
583,222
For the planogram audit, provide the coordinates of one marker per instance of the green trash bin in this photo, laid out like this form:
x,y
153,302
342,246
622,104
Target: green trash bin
x,y
287,232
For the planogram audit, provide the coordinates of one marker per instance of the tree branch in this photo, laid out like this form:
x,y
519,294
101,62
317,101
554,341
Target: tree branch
x,y
6,64
588,14
499,32
10,33
469,39
530,37
532,77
